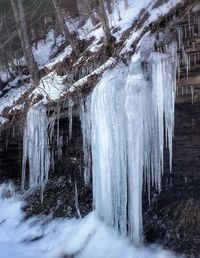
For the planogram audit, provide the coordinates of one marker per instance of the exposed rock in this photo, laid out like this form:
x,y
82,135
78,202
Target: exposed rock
x,y
173,218
59,200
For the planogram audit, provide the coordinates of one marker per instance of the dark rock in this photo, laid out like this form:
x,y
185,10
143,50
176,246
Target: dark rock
x,y
173,217
59,200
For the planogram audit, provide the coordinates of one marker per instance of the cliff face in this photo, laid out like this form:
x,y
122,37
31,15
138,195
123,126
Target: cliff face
x,y
173,217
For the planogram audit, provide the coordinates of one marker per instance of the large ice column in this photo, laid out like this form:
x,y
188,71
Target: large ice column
x,y
36,147
137,137
131,111
109,149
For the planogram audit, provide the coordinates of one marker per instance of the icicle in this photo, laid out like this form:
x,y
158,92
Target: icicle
x,y
60,147
36,147
193,122
178,67
59,138
185,32
58,125
70,117
189,21
85,116
199,24
180,37
182,90
76,200
24,159
129,119
192,93
185,61
52,122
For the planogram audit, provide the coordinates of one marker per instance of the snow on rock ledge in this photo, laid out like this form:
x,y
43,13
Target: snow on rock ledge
x,y
51,87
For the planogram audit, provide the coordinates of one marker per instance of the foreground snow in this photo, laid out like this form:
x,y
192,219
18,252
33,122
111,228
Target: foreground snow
x,y
39,238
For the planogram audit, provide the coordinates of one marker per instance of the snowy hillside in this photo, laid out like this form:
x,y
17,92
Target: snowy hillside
x,y
131,22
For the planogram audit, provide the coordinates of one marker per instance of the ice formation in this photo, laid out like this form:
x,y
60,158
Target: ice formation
x,y
70,117
36,147
86,133
132,110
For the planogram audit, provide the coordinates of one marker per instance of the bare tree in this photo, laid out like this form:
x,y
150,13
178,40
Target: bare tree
x,y
20,21
65,30
109,4
101,11
85,9
126,3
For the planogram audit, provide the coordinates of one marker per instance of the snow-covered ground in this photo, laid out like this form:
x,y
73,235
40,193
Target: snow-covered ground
x,y
51,86
39,238
10,98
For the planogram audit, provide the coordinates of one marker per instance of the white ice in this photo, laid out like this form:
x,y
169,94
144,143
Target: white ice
x,y
36,147
132,109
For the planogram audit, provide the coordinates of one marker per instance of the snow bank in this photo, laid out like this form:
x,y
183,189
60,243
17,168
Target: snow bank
x,y
85,238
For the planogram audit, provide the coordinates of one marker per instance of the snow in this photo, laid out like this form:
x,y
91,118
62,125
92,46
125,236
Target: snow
x,y
51,87
18,79
16,107
12,96
66,53
9,99
4,76
85,238
44,49
154,14
3,120
162,10
128,16
70,117
95,72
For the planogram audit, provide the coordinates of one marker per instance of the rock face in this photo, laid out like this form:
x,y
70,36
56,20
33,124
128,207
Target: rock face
x,y
10,158
60,196
172,219
60,200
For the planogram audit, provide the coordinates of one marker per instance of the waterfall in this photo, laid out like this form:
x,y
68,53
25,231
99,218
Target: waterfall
x,y
132,109
36,147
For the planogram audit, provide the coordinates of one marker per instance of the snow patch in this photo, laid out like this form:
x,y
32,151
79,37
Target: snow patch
x,y
51,87
85,238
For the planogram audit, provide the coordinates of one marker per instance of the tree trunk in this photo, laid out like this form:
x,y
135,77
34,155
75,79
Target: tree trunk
x,y
109,6
25,43
65,30
85,8
101,11
126,4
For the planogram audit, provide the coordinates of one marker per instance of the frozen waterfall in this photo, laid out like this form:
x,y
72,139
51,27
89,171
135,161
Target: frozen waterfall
x,y
36,147
132,110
